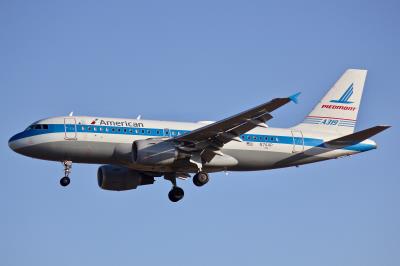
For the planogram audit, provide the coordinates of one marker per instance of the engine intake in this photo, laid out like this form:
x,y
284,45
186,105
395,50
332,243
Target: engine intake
x,y
116,178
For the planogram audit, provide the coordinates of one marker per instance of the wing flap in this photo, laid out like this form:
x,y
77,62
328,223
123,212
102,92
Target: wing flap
x,y
205,142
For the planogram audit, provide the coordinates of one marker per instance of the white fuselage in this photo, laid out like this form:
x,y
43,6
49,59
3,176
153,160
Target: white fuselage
x,y
85,139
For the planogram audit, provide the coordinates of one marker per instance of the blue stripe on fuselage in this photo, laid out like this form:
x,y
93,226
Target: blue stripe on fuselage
x,y
156,132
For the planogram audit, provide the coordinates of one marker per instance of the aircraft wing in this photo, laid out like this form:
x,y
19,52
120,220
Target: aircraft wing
x,y
215,135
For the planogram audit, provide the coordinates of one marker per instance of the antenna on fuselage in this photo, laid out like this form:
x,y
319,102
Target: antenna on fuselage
x,y
71,114
138,117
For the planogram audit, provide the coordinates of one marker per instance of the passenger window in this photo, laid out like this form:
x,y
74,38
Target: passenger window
x,y
148,131
45,127
119,130
101,129
94,128
89,128
124,129
113,129
106,129
142,131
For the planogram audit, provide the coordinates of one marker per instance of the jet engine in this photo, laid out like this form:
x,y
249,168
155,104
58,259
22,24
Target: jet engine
x,y
154,152
116,178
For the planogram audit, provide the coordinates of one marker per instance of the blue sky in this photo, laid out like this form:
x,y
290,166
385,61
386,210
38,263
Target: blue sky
x,y
189,61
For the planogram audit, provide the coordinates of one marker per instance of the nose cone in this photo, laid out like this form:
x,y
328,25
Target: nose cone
x,y
12,142
16,142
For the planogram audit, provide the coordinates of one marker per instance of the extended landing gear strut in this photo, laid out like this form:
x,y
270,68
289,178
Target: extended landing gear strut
x,y
176,193
201,178
64,181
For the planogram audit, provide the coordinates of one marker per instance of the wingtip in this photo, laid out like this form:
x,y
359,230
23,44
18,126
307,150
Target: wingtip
x,y
294,97
385,126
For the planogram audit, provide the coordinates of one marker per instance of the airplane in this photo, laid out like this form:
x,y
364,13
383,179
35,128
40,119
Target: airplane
x,y
135,151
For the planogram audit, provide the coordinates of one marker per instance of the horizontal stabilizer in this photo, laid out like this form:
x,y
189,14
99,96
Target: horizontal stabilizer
x,y
354,138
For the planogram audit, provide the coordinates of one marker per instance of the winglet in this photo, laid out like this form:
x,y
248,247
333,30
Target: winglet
x,y
294,97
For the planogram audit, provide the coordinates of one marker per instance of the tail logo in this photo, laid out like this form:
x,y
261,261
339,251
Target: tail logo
x,y
345,97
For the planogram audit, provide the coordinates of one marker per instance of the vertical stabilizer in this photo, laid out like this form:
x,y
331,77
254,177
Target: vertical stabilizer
x,y
338,109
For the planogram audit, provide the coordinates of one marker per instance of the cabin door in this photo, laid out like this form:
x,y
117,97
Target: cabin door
x,y
70,128
298,141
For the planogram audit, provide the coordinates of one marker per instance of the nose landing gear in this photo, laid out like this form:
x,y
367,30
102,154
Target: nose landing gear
x,y
64,181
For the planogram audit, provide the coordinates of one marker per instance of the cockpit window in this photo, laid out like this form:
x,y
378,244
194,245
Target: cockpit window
x,y
38,126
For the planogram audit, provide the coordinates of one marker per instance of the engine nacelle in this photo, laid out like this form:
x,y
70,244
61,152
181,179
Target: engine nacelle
x,y
154,152
110,177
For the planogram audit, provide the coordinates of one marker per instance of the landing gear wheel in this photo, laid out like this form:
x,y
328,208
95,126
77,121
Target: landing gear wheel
x,y
65,181
200,179
176,194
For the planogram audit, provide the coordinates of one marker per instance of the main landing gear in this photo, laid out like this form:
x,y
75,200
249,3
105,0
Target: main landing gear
x,y
200,179
177,193
64,181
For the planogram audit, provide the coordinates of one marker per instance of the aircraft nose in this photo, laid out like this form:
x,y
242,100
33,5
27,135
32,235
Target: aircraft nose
x,y
12,142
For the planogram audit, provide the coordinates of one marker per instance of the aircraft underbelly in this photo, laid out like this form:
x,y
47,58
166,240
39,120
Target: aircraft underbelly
x,y
105,152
